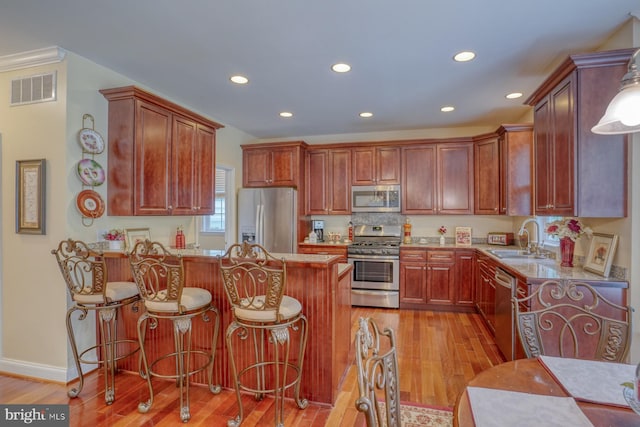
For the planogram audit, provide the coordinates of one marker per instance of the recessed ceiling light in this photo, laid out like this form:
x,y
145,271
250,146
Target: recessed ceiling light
x,y
464,56
366,114
513,95
341,68
447,109
286,114
241,80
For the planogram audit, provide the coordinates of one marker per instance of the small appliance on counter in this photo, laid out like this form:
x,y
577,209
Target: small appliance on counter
x,y
318,228
499,238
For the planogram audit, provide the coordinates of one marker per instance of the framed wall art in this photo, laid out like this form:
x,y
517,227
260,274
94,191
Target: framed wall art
x,y
30,196
601,252
135,235
463,236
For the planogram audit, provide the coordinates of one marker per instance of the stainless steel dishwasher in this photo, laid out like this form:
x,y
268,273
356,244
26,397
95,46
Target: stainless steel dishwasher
x,y
505,289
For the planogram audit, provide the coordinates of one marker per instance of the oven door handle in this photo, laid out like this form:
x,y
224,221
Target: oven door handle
x,y
373,257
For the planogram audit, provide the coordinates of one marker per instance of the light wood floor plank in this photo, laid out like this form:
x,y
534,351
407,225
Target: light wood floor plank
x,y
438,352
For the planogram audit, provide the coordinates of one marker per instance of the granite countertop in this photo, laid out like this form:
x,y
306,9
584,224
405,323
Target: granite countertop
x,y
530,268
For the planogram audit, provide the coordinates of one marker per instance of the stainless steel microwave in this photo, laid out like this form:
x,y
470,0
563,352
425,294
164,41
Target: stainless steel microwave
x,y
375,198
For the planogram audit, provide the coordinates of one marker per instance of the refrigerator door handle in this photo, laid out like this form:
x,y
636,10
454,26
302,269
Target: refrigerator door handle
x,y
259,224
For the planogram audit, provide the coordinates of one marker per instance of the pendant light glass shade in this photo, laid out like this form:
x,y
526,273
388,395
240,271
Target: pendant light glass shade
x,y
623,112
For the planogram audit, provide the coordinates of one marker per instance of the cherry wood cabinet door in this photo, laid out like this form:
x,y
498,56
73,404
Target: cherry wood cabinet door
x,y
205,170
316,183
183,167
338,179
419,179
487,176
256,167
563,149
455,178
516,170
376,165
464,280
542,153
152,160
284,167
387,165
413,283
440,283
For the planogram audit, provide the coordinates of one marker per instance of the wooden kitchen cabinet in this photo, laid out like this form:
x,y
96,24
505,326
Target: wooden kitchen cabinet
x,y
419,179
485,293
440,277
455,178
413,278
577,172
161,156
375,165
503,171
487,176
327,181
273,164
438,178
464,278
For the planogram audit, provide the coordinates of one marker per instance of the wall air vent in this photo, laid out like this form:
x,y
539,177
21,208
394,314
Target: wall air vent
x,y
32,89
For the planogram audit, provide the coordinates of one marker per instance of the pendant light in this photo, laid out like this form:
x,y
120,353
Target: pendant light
x,y
623,113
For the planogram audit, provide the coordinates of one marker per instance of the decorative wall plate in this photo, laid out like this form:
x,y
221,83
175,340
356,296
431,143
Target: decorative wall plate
x,y
91,141
90,172
90,204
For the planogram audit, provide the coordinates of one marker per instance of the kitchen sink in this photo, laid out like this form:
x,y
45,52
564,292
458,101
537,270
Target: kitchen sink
x,y
510,253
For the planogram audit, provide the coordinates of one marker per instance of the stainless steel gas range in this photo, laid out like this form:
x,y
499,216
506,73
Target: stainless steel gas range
x,y
375,256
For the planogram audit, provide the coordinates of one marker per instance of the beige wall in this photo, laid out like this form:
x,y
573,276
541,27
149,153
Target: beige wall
x,y
34,298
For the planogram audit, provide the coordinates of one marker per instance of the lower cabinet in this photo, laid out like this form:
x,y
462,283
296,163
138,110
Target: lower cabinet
x,y
436,279
485,290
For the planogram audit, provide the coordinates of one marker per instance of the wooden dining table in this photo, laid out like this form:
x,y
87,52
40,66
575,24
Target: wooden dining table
x,y
531,376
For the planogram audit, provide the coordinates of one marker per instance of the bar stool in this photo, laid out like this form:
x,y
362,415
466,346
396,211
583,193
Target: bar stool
x,y
254,282
160,277
85,273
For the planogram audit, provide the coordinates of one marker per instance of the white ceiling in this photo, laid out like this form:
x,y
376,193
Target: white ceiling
x,y
400,52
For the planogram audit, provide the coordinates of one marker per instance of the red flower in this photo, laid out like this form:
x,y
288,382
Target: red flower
x,y
573,226
552,229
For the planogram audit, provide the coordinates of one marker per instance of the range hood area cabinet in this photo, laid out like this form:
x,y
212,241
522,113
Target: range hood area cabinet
x,y
328,181
161,156
577,172
503,171
437,178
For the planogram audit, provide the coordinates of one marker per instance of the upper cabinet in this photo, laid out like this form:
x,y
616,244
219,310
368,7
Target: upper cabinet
x,y
327,181
437,178
577,172
376,165
273,164
161,156
503,171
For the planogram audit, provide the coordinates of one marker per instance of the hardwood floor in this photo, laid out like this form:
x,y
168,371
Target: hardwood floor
x,y
439,352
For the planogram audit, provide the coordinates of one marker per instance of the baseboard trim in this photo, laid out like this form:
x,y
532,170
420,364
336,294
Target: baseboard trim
x,y
35,370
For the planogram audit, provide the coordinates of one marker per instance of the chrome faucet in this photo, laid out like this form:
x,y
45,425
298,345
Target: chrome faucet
x,y
532,246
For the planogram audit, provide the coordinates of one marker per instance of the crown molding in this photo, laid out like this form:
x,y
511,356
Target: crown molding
x,y
32,58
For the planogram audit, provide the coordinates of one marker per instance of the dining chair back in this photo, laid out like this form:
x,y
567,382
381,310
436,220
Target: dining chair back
x,y
377,370
572,319
84,271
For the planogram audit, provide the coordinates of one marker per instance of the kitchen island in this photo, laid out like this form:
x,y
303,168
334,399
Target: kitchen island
x,y
320,282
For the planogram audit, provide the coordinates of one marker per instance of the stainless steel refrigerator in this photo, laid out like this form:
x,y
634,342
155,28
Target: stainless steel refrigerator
x,y
268,216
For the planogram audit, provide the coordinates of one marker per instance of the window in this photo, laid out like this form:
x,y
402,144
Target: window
x,y
548,238
217,223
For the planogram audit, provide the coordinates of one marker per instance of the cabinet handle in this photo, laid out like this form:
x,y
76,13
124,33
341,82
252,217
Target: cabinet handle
x,y
170,207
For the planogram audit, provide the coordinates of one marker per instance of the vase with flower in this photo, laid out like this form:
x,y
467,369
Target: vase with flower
x,y
442,231
115,237
568,231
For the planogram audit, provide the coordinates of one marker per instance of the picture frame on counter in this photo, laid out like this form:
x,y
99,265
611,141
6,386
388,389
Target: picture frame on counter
x,y
135,235
463,236
601,252
30,196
